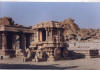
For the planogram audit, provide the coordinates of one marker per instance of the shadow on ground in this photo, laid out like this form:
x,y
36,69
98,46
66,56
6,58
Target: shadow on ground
x,y
74,55
28,66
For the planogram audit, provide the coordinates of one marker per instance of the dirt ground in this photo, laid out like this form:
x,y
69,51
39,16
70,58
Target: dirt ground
x,y
77,64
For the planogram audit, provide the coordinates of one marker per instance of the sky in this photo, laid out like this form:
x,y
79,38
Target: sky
x,y
86,15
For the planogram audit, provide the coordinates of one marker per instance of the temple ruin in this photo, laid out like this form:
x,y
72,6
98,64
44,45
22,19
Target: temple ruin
x,y
13,37
46,41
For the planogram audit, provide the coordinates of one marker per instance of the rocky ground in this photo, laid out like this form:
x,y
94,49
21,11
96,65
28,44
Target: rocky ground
x,y
78,64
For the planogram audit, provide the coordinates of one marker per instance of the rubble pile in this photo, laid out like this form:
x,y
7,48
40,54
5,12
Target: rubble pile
x,y
6,21
73,31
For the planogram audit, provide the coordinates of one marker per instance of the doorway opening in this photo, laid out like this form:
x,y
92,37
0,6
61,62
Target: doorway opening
x,y
9,40
43,35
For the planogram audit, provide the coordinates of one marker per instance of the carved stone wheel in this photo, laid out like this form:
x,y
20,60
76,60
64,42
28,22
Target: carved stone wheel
x,y
57,53
65,53
28,53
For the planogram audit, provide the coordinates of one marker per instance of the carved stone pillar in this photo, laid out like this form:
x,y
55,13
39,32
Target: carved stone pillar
x,y
59,36
24,38
38,35
0,41
51,34
4,41
14,42
46,34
